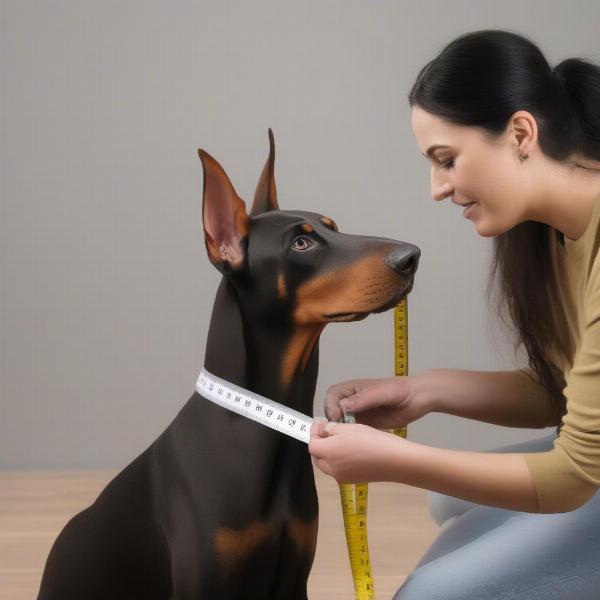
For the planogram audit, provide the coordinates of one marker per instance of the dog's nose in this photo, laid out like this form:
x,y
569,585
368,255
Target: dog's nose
x,y
404,259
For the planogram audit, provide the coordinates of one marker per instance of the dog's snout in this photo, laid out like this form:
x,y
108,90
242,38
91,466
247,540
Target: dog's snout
x,y
404,259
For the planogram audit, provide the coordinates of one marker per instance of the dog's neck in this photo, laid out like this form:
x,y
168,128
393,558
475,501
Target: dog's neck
x,y
253,356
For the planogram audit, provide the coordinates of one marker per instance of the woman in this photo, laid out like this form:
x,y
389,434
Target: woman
x,y
517,144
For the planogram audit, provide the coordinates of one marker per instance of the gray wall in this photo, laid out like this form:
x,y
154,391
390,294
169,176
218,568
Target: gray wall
x,y
106,289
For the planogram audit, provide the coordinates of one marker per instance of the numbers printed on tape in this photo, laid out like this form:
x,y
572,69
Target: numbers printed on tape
x,y
254,406
354,507
401,349
401,338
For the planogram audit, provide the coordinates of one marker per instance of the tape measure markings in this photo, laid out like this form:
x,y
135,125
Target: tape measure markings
x,y
249,404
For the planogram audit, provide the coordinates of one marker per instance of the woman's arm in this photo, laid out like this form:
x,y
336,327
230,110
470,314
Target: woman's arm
x,y
353,452
495,479
508,398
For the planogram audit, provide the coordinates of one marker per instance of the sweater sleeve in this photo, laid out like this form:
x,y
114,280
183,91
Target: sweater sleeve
x,y
567,476
528,386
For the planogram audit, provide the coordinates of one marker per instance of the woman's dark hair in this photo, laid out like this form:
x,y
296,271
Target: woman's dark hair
x,y
481,79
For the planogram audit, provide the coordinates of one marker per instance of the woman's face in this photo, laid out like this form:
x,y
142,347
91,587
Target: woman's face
x,y
472,167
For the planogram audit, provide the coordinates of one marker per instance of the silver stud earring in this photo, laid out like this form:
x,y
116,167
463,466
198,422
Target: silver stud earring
x,y
523,157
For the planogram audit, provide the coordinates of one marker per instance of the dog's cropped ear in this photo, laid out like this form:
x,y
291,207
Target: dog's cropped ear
x,y
265,197
224,217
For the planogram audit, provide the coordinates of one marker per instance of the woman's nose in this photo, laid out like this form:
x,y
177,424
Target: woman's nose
x,y
441,194
440,189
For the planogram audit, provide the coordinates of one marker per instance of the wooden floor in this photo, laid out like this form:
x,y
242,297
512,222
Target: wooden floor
x,y
35,505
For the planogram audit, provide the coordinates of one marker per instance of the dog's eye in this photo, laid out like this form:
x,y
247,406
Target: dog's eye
x,y
302,243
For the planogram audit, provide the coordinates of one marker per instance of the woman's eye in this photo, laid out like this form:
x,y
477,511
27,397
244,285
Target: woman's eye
x,y
448,164
302,243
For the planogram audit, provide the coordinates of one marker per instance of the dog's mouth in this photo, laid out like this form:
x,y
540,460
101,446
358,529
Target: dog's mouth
x,y
359,316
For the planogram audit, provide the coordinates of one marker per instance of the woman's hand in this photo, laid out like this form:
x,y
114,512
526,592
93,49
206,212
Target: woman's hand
x,y
383,403
353,453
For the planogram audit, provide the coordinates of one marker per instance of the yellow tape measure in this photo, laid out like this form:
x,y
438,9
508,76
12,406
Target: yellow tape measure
x,y
401,348
354,495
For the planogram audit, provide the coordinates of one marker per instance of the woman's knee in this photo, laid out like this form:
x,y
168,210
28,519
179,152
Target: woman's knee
x,y
428,583
442,508
439,507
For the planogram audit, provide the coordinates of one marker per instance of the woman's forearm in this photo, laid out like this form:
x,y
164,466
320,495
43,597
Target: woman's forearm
x,y
508,398
495,479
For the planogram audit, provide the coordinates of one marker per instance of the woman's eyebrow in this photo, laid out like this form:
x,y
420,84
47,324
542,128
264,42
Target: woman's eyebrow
x,y
433,148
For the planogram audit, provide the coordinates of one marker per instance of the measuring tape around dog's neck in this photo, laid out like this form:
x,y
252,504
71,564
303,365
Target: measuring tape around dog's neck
x,y
354,496
254,406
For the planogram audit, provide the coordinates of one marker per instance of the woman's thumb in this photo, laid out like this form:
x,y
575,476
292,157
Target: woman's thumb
x,y
331,427
317,427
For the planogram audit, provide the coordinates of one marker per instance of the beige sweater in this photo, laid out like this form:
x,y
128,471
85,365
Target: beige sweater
x,y
569,474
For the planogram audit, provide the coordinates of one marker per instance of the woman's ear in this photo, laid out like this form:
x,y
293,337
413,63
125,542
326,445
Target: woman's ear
x,y
224,217
523,131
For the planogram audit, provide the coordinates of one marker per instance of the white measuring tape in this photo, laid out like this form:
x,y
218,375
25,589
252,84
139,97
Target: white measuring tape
x,y
254,406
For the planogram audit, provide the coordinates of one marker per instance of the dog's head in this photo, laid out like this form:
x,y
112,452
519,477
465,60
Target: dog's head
x,y
296,266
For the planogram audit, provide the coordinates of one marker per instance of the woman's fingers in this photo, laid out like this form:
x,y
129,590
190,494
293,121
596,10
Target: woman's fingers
x,y
335,394
373,401
317,429
317,432
320,430
316,449
357,403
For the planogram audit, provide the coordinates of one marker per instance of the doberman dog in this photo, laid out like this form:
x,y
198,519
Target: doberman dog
x,y
220,507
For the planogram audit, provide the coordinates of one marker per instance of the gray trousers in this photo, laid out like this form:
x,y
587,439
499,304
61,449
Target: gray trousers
x,y
486,553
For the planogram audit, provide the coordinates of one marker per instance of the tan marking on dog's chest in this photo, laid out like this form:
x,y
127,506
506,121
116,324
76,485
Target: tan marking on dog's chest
x,y
303,534
233,546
